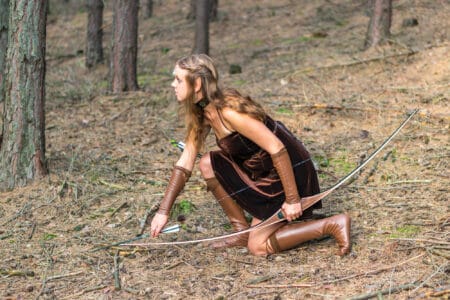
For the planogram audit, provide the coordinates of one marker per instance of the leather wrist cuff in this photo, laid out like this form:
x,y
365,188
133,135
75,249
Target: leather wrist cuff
x,y
283,165
176,184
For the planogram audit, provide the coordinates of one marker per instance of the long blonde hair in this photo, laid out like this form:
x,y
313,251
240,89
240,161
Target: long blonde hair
x,y
202,66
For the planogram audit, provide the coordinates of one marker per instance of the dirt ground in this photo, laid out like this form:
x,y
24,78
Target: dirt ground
x,y
110,158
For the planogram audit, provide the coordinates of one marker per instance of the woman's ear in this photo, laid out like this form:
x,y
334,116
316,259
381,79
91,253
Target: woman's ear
x,y
197,84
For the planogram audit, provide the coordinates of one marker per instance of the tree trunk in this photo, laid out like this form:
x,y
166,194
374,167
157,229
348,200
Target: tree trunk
x,y
94,39
147,6
22,152
202,27
214,4
4,13
379,28
124,46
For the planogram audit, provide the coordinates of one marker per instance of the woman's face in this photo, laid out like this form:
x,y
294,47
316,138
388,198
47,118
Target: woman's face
x,y
180,84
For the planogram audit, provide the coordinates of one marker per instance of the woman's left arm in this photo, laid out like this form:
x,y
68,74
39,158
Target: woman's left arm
x,y
258,132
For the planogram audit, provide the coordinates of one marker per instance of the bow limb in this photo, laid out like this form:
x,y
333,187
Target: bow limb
x,y
311,200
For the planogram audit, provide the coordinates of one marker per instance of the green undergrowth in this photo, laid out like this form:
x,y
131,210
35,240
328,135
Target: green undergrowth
x,y
182,208
406,231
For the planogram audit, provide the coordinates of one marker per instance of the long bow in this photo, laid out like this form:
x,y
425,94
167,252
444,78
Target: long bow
x,y
306,202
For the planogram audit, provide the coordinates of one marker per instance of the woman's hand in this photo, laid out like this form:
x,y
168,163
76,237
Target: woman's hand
x,y
291,211
158,223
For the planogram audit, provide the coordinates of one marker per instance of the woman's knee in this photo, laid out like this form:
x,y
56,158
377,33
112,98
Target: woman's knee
x,y
258,249
205,166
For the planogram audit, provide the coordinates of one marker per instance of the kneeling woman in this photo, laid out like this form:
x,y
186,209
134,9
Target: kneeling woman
x,y
260,167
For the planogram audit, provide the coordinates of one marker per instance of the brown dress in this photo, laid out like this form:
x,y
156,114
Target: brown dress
x,y
247,173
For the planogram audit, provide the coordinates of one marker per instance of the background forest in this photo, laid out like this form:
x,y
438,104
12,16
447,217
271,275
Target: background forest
x,y
109,156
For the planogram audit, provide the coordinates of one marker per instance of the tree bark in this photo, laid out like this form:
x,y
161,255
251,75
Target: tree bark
x,y
214,4
22,152
124,46
202,27
4,13
94,39
379,28
147,6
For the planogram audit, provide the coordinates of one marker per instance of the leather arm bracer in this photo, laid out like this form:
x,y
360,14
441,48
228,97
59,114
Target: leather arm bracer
x,y
282,163
176,184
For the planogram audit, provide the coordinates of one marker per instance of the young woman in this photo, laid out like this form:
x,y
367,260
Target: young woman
x,y
260,167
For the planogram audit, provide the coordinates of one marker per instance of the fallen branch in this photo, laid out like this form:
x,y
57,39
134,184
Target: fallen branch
x,y
389,291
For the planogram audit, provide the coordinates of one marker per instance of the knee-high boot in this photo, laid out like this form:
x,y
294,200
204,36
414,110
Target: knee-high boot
x,y
234,213
292,235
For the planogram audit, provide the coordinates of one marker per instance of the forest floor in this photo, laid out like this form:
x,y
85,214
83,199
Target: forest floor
x,y
110,158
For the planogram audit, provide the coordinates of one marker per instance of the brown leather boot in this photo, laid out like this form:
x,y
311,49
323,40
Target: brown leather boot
x,y
292,235
235,215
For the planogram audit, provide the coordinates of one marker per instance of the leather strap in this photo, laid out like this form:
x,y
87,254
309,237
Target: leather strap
x,y
176,184
282,164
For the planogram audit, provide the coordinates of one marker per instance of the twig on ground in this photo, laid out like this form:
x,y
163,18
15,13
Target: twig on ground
x,y
112,185
5,236
175,265
371,172
95,288
33,229
422,240
64,276
260,279
123,205
440,253
149,213
49,255
26,207
117,284
10,273
441,269
439,292
331,106
280,286
139,237
411,181
389,291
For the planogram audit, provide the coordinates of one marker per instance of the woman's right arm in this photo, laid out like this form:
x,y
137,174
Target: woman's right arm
x,y
180,175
